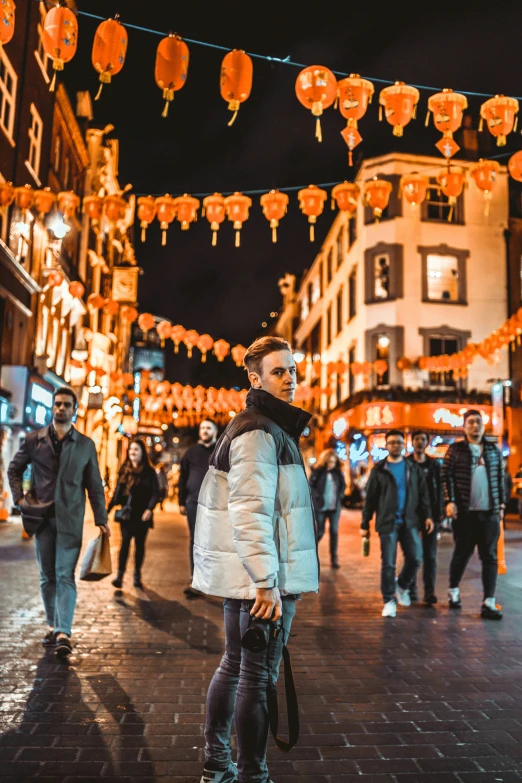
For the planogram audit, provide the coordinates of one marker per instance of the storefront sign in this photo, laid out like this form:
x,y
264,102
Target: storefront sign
x,y
125,284
39,405
454,419
378,415
429,416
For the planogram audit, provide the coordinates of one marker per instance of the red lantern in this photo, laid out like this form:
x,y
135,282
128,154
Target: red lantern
x,y
109,50
54,279
177,335
274,206
7,194
7,21
237,207
93,206
68,203
166,212
514,166
355,94
128,314
404,364
485,173
399,101
500,114
114,208
236,80
172,61
205,344
190,339
347,196
448,108
452,181
164,330
238,354
311,202
214,207
44,201
316,89
414,188
377,195
76,289
379,367
186,210
95,301
146,214
146,322
111,307
24,197
60,37
221,349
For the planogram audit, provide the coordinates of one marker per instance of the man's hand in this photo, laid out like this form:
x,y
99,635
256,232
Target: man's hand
x,y
147,515
183,510
267,599
364,533
430,525
452,510
105,529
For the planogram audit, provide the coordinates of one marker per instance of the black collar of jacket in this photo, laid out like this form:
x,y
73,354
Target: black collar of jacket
x,y
46,432
291,419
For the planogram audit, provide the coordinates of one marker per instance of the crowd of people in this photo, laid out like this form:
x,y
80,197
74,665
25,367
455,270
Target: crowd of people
x,y
255,520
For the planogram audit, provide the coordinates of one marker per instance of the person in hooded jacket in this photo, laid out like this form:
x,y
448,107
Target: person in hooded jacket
x,y
328,485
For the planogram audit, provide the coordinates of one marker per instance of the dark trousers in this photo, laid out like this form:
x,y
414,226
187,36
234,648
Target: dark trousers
x,y
139,534
429,564
192,512
333,518
479,529
411,545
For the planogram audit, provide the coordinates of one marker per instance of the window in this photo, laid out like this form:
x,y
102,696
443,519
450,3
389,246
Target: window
x,y
316,342
351,359
381,277
440,346
316,290
340,310
329,267
321,284
57,154
340,247
35,142
329,326
383,272
8,81
436,206
352,295
43,59
352,230
305,309
443,277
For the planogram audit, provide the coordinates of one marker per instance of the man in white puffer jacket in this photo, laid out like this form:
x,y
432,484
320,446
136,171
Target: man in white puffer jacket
x,y
255,547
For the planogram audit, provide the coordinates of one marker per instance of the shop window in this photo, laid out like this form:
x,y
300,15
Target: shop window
x,y
383,272
329,326
8,82
339,310
352,295
436,206
35,143
351,359
443,274
340,247
387,343
382,351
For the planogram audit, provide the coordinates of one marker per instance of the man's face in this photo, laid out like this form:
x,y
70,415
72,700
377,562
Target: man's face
x,y
474,427
277,375
420,443
207,432
63,409
395,445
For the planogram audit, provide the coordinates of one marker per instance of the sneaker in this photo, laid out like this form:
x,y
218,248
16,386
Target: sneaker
x,y
454,601
63,647
488,613
403,596
220,776
49,640
430,599
389,609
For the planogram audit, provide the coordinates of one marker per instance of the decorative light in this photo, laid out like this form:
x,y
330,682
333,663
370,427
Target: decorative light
x,y
299,357
59,228
383,341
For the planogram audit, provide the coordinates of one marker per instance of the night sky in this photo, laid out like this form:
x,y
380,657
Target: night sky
x,y
228,292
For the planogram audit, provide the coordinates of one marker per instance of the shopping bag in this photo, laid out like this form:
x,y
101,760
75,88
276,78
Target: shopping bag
x,y
96,563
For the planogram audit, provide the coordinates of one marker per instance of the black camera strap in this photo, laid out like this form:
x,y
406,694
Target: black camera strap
x,y
292,708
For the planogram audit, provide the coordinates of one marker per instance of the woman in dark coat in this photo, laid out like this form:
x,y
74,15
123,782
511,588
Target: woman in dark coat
x,y
327,485
137,493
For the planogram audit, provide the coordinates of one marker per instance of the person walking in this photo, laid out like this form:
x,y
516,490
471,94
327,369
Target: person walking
x,y
193,469
163,484
137,493
64,464
473,485
398,494
432,474
255,547
327,485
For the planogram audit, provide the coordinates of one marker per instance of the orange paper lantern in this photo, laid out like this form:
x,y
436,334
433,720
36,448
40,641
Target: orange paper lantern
x,y
68,203
146,322
399,103
93,207
311,202
221,349
237,207
76,289
447,108
190,339
128,314
274,206
484,174
238,354
59,37
164,330
205,344
404,364
7,194
146,214
95,301
186,210
177,335
514,166
114,208
24,197
172,61
500,114
44,201
355,95
236,80
347,196
54,279
451,182
377,195
379,367
111,307
166,212
109,50
214,207
414,188
7,21
316,89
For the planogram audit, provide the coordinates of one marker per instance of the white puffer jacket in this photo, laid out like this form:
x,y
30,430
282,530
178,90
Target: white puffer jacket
x,y
255,525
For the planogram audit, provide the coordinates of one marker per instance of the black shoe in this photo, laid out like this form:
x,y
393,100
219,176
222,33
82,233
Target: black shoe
x,y
117,583
414,596
455,604
138,583
63,647
336,564
431,599
491,614
49,640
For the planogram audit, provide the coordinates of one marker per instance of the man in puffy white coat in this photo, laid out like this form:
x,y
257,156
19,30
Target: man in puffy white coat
x,y
255,547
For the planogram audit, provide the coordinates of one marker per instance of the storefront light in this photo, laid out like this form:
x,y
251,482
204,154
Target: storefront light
x,y
383,341
59,228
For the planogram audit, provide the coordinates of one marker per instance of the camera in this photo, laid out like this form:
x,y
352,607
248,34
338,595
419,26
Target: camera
x,y
259,634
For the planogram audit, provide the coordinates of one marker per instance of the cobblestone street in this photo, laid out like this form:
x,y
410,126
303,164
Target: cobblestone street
x,y
428,697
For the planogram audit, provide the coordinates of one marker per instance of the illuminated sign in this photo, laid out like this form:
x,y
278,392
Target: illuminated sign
x,y
377,415
445,416
39,394
39,406
339,427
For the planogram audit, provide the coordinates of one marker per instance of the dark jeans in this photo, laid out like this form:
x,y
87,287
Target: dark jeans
x,y
476,529
192,512
411,545
237,694
333,518
429,564
139,534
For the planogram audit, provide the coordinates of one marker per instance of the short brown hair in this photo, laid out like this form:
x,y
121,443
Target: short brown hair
x,y
261,348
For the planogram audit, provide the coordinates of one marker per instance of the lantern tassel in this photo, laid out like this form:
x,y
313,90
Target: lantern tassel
x,y
501,141
380,113
98,94
214,238
143,234
488,202
232,121
427,121
332,204
203,211
204,356
481,124
336,104
350,158
274,234
515,126
312,233
165,112
318,130
176,347
450,214
238,238
163,238
52,86
397,130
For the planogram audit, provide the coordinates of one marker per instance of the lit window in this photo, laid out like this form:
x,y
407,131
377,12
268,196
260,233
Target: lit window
x,y
35,141
43,59
436,206
442,278
316,289
8,82
443,346
305,309
382,277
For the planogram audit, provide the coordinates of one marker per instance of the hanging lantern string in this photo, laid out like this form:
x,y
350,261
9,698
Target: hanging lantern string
x,y
268,58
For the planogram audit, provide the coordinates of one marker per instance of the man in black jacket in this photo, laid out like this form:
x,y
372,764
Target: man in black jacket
x,y
473,484
193,469
432,473
397,491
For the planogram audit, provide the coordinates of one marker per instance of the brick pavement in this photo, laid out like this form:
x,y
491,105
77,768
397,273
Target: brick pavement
x,y
428,697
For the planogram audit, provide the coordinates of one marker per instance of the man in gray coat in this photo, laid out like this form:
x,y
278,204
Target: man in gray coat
x,y
64,464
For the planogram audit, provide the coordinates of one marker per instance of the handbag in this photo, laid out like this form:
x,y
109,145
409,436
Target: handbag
x,y
96,563
123,514
34,513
